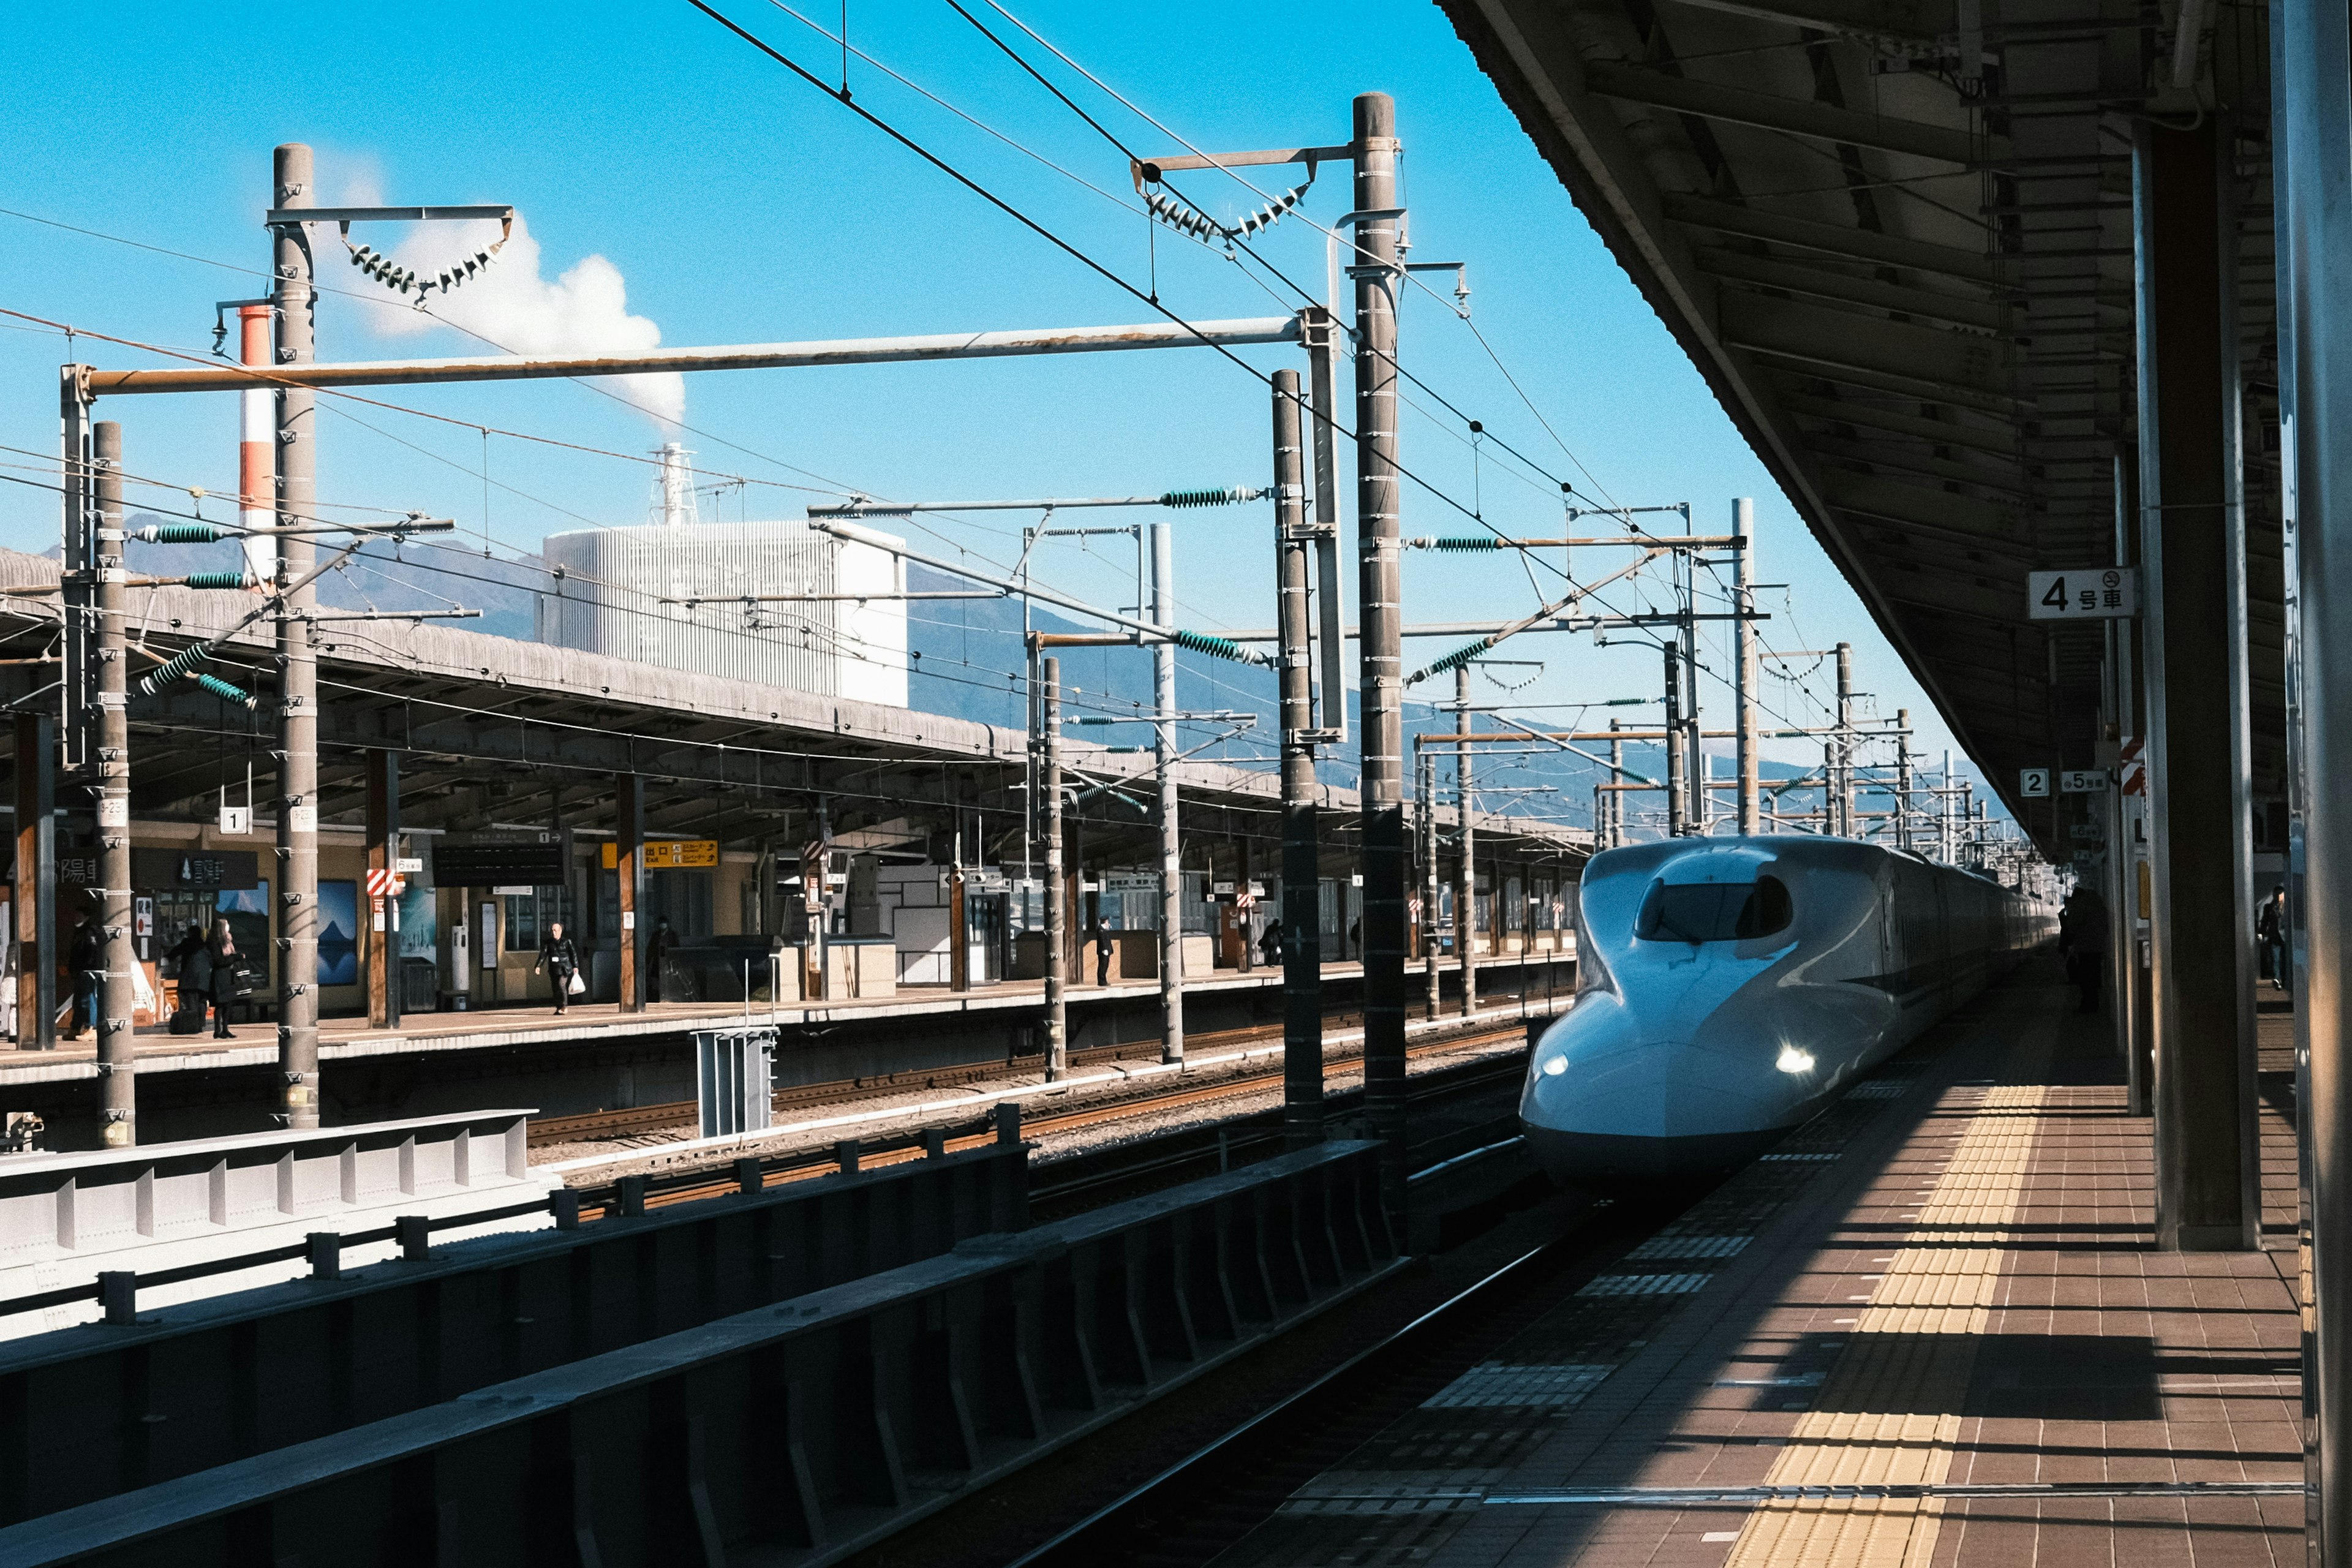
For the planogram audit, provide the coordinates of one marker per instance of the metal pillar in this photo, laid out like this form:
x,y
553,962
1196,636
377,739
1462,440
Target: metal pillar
x,y
2208,1191
1049,785
384,911
1432,971
35,893
1377,272
1750,698
1677,823
1843,780
2311,85
117,1059
1903,778
628,871
1616,797
1465,887
1302,922
1172,841
298,667
2129,936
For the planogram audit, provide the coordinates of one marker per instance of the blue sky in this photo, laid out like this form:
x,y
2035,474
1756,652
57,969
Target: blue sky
x,y
734,203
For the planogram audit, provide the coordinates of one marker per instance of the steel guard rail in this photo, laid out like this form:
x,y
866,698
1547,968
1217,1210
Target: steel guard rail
x,y
798,1433
91,1411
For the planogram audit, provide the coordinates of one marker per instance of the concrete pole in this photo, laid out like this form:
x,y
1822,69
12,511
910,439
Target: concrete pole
x,y
1845,778
298,666
628,873
1432,975
1172,841
1302,924
959,928
1378,517
1057,958
1947,846
382,852
2207,1165
1743,528
1616,797
35,893
118,1057
1697,813
1465,887
1677,821
1903,778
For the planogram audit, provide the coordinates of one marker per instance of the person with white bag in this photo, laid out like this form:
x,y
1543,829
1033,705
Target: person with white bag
x,y
561,959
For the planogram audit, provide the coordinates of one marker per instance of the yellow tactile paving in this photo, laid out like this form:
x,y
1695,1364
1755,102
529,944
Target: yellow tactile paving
x,y
1889,1413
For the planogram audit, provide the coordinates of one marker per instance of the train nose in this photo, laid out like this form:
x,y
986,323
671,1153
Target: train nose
x,y
1607,1102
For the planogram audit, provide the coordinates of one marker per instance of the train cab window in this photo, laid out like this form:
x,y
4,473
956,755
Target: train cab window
x,y
1712,911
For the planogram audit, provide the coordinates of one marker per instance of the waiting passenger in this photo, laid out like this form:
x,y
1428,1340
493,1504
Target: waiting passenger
x,y
2270,930
561,958
222,948
656,955
1104,947
1270,944
2083,942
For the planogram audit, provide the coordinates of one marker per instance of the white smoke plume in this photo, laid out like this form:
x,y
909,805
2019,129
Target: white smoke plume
x,y
584,311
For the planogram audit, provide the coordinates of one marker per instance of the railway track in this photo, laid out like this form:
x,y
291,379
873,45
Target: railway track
x,y
599,1126
806,1167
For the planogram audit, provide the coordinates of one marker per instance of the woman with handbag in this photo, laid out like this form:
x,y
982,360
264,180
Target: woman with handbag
x,y
561,959
222,948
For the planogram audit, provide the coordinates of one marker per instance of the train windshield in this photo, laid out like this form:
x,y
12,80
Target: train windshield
x,y
1712,911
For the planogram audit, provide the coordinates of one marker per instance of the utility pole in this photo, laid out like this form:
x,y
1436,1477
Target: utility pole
x,y
35,914
1615,797
1903,778
1743,528
1171,844
1049,780
117,1059
1697,809
1677,822
1378,223
1466,886
1843,779
1431,978
297,668
1302,945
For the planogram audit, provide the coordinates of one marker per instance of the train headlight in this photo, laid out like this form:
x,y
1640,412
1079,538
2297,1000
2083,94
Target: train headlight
x,y
1557,1066
1792,1060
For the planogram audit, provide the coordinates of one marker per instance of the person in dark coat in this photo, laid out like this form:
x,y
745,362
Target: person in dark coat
x,y
222,952
658,952
2082,940
196,957
561,958
1270,944
1104,947
2270,930
190,944
86,962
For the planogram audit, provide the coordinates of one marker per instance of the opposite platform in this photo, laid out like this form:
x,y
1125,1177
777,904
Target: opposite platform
x,y
1946,1281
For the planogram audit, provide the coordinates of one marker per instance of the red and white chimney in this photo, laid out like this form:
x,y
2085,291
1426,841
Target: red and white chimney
x,y
257,464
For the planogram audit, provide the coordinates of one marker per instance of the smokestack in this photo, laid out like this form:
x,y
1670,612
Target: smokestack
x,y
257,457
673,496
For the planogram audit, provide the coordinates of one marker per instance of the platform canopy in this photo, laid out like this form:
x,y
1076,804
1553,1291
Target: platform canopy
x,y
1897,238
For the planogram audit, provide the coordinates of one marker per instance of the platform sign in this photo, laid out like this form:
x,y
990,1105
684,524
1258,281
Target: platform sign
x,y
2082,781
2033,784
2086,594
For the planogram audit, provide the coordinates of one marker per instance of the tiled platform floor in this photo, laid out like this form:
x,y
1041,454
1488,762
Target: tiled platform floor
x,y
1947,1281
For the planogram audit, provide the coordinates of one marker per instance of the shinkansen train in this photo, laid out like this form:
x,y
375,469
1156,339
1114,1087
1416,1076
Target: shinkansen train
x,y
1729,988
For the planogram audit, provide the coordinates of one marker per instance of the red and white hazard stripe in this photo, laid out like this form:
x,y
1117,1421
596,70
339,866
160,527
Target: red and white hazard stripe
x,y
257,458
2135,771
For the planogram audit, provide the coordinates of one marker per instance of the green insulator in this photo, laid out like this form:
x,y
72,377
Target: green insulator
x,y
224,691
217,580
1205,498
1461,542
1201,642
178,533
1459,657
174,669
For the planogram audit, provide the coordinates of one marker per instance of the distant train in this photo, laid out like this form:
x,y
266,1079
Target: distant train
x,y
1729,988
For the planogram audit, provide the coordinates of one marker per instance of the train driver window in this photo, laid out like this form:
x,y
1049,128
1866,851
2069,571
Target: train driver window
x,y
1712,911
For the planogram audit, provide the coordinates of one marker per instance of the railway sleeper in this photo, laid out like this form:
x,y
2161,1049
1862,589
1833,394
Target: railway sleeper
x,y
801,1431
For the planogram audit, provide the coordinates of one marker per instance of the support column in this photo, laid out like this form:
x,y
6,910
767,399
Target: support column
x,y
1302,924
109,775
1049,786
35,895
628,871
959,936
2208,1193
1751,696
1465,888
1171,838
298,664
1843,782
383,858
1377,273
1903,778
1677,822
1432,971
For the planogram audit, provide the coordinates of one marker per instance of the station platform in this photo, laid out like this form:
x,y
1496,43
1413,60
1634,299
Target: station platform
x,y
1946,1283
510,1027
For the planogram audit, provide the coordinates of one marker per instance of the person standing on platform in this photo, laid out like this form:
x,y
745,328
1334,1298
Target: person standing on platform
x,y
196,957
1104,947
561,958
2270,930
86,962
223,951
187,947
2082,941
656,955
1270,944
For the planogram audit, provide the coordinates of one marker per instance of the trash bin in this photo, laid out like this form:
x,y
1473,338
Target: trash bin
x,y
420,985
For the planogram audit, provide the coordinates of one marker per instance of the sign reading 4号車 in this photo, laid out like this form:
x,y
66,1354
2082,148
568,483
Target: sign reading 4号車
x,y
2086,594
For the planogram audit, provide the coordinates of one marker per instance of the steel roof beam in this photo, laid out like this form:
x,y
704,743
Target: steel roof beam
x,y
1936,432
1891,251
1770,111
1844,289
